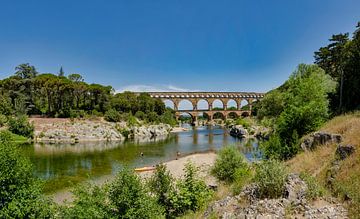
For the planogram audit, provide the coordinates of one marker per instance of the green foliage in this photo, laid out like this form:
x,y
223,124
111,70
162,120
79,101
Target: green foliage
x,y
89,202
341,60
20,192
112,116
227,162
3,120
242,176
270,176
161,185
5,106
190,193
130,199
132,121
20,125
301,105
314,189
140,115
276,148
168,117
243,121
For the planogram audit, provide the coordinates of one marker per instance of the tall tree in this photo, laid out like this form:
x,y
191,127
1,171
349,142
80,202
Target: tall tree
x,y
25,71
61,72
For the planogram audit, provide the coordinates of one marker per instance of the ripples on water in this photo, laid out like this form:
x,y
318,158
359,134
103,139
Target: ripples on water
x,y
64,165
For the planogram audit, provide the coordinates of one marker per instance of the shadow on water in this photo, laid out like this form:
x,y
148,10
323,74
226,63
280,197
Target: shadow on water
x,y
64,165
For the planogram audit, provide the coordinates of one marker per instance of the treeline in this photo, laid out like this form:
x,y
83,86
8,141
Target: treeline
x,y
31,93
311,95
341,60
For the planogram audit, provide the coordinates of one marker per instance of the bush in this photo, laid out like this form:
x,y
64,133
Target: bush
x,y
228,161
21,126
140,115
112,116
161,184
242,176
190,193
315,190
152,117
168,118
3,120
270,176
130,199
277,148
20,193
132,121
89,202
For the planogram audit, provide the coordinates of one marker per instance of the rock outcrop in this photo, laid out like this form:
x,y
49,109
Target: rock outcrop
x,y
293,204
344,151
239,131
86,131
319,138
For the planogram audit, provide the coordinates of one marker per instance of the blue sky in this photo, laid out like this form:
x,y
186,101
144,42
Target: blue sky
x,y
171,45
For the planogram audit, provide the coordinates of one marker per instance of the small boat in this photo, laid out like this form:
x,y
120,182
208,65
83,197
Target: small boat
x,y
143,169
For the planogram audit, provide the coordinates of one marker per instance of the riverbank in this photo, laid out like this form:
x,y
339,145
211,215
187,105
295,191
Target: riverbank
x,y
203,161
72,131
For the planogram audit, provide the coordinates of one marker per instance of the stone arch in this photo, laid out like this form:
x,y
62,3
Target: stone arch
x,y
218,104
169,103
219,115
232,115
231,104
203,104
244,104
186,116
185,104
245,114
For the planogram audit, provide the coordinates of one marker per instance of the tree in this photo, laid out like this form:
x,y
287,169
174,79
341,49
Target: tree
x,y
20,192
76,77
304,107
25,71
61,72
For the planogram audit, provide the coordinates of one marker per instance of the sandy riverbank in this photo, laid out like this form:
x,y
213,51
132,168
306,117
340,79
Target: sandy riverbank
x,y
203,161
178,129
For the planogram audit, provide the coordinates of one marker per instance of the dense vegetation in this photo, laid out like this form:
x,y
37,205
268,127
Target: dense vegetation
x,y
341,60
28,93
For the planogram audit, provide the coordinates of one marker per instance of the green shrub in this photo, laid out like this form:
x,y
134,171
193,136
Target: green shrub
x,y
161,185
190,193
21,126
3,120
229,159
152,117
242,176
140,115
278,148
132,121
270,176
130,199
314,189
89,202
168,118
112,116
20,193
244,122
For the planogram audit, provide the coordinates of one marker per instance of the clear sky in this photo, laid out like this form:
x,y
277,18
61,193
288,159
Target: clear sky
x,y
171,45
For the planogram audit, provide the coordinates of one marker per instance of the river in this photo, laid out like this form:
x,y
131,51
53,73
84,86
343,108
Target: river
x,y
63,166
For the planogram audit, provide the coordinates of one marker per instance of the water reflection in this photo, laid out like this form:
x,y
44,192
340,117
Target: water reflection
x,y
63,165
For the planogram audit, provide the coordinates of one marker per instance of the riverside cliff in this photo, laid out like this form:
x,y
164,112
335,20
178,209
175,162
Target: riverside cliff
x,y
74,131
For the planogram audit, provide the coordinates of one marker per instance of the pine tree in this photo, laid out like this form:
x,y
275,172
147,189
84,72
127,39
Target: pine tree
x,y
61,72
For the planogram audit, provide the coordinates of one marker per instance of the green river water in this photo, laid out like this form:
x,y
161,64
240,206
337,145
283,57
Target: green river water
x,y
63,166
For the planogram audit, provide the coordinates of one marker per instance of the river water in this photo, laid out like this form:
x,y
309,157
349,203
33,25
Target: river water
x,y
63,166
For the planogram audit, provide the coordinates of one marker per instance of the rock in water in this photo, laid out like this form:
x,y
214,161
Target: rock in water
x,y
239,132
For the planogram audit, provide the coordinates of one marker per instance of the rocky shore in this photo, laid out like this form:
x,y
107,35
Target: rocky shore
x,y
55,131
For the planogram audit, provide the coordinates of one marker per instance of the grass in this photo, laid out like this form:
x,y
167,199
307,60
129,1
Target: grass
x,y
318,162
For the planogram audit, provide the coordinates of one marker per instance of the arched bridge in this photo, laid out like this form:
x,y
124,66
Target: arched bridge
x,y
210,98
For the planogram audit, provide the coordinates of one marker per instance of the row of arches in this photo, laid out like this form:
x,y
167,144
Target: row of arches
x,y
203,104
211,115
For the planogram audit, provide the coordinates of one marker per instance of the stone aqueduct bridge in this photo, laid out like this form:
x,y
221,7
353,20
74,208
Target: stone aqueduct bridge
x,y
209,97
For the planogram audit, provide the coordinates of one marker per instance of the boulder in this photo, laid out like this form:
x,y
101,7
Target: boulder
x,y
239,131
319,138
344,151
